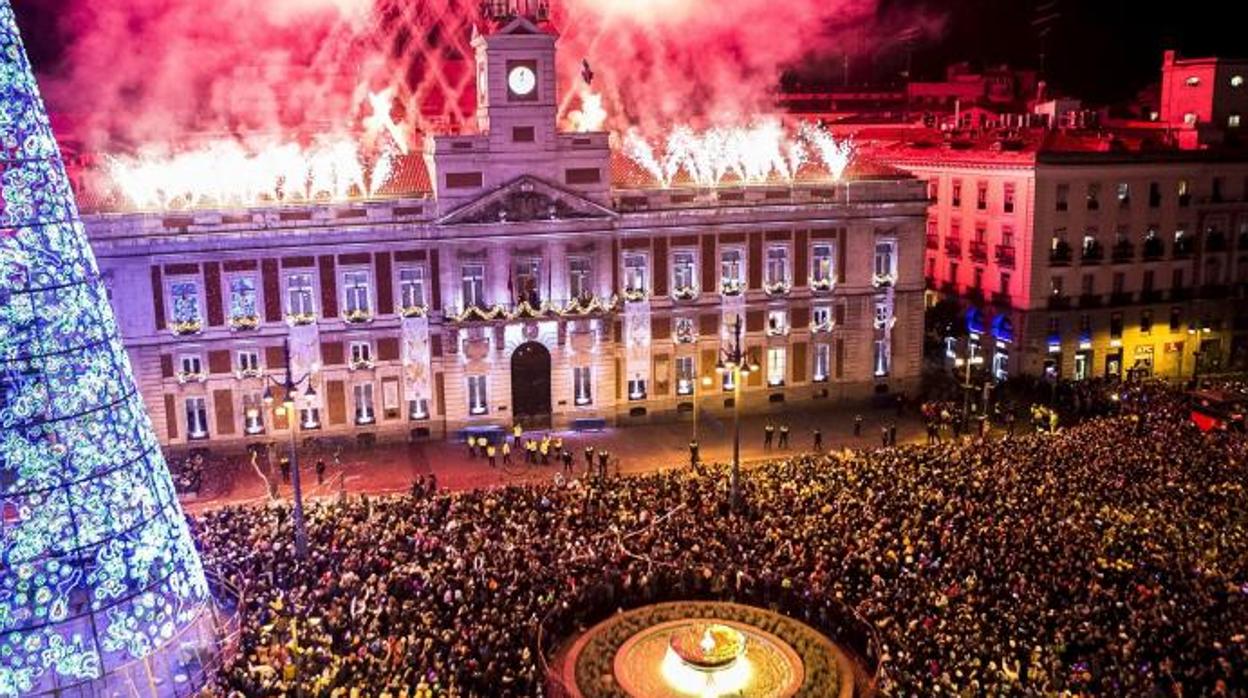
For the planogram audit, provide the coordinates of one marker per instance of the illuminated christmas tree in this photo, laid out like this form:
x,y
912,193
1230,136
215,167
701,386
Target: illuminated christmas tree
x,y
101,589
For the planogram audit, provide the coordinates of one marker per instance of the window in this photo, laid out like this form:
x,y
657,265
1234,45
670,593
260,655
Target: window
x,y
777,265
185,296
821,317
635,275
777,322
412,288
253,414
883,313
881,358
299,295
933,190
957,193
355,292
463,180
1007,236
243,299
636,388
1146,321
823,355
1094,196
978,279
981,196
822,271
580,284
581,381
527,281
1007,201
417,409
1056,285
361,354
310,416
1063,197
1119,283
1087,284
191,364
731,271
364,413
1176,279
583,175
1154,194
249,362
684,271
1149,276
1115,326
1215,192
1124,194
1176,319
685,376
775,366
885,260
196,418
1232,120
523,134
683,328
1185,192
953,272
473,279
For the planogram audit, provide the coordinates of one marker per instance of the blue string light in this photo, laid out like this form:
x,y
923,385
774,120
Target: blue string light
x,y
97,566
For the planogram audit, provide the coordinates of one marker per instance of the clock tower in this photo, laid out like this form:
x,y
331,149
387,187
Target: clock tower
x,y
516,86
517,117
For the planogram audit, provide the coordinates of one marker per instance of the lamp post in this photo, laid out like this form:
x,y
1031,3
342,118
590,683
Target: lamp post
x,y
1194,331
967,387
735,361
290,388
705,382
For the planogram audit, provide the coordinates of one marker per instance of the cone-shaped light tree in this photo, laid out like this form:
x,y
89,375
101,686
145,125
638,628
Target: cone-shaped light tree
x,y
101,588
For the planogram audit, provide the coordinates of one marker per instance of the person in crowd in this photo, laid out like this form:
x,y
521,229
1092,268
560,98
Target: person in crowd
x,y
1100,560
506,448
857,425
491,454
693,453
818,440
320,471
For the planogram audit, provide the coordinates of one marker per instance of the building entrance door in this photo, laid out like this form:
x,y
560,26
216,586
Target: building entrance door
x,y
530,385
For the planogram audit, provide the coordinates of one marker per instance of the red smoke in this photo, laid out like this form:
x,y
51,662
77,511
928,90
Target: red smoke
x,y
168,71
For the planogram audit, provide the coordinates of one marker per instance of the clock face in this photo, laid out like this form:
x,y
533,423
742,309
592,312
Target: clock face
x,y
521,80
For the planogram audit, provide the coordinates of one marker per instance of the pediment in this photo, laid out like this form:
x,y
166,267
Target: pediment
x,y
523,200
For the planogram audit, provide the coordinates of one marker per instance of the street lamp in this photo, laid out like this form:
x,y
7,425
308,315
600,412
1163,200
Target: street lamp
x,y
735,361
970,360
290,388
705,382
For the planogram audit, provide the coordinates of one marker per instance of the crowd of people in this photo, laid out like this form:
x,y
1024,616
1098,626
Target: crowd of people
x,y
1109,558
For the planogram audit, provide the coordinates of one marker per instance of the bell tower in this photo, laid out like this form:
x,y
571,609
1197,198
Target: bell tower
x,y
517,101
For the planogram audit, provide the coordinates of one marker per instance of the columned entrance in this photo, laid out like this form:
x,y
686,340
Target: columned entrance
x,y
530,384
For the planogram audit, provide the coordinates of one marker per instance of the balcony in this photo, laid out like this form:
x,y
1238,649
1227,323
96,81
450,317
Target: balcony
x,y
1154,248
975,295
1150,296
949,288
1123,252
1121,298
1059,302
933,242
1005,256
979,251
1089,300
1092,253
1059,256
1180,294
953,246
1215,241
1002,300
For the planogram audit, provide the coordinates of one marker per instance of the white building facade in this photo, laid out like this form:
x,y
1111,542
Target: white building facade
x,y
524,286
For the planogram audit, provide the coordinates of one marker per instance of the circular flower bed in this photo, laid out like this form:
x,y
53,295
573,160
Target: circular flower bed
x,y
588,667
708,645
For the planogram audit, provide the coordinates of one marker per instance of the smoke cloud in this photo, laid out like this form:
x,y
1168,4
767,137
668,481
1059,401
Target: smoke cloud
x,y
144,72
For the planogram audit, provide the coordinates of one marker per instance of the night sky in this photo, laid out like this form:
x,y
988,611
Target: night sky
x,y
1104,51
